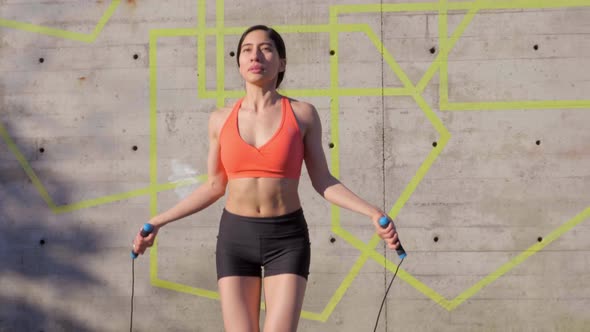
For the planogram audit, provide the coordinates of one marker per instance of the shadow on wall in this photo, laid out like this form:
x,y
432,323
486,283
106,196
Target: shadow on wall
x,y
47,261
41,258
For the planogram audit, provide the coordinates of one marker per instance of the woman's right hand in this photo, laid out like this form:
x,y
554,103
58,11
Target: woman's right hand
x,y
140,243
389,233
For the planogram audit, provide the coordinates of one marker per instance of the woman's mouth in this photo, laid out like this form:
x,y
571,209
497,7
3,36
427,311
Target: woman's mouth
x,y
256,69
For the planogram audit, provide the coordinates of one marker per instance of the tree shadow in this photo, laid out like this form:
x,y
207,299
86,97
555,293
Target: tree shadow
x,y
41,257
51,265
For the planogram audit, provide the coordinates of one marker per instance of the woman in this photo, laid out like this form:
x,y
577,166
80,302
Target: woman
x,y
256,151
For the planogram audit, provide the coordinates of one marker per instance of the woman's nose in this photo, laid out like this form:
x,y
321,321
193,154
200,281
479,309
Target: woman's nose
x,y
255,56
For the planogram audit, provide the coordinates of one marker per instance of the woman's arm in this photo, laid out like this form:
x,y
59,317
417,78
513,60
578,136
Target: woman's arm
x,y
205,195
209,192
327,185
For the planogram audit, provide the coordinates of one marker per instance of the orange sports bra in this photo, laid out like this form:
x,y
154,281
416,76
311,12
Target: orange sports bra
x,y
280,157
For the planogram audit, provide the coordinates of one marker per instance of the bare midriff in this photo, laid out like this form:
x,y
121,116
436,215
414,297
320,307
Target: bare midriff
x,y
262,197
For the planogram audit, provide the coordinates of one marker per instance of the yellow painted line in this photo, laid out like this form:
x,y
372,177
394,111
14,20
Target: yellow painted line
x,y
442,61
153,72
154,279
368,250
349,92
214,31
324,92
182,288
403,274
201,48
432,118
77,36
399,7
335,136
532,4
127,195
334,117
181,183
353,240
322,317
309,315
443,35
284,29
82,37
220,42
582,216
26,167
104,19
445,49
395,67
428,162
458,5
339,293
153,88
515,105
184,32
101,200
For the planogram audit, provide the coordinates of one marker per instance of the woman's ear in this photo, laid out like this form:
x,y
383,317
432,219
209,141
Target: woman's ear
x,y
283,65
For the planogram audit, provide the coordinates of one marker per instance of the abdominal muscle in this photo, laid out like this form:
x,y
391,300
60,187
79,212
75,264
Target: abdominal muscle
x,y
262,197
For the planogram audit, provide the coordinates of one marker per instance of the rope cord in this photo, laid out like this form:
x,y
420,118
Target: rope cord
x,y
387,291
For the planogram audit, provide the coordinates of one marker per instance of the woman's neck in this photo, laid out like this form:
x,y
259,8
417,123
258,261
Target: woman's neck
x,y
258,98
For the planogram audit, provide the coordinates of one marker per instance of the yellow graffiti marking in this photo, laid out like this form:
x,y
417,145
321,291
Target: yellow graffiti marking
x,y
335,92
64,34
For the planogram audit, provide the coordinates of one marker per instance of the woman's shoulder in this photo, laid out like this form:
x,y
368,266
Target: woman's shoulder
x,y
303,110
217,119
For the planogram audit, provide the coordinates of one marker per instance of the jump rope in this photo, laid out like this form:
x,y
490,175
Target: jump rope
x,y
148,228
384,221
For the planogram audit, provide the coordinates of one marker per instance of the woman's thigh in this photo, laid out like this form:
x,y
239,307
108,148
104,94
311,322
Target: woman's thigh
x,y
240,303
283,296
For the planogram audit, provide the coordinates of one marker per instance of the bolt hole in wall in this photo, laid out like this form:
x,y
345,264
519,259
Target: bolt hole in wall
x,y
332,239
42,150
232,53
331,145
434,144
42,242
435,239
432,50
540,239
332,52
536,47
538,142
134,148
135,56
41,60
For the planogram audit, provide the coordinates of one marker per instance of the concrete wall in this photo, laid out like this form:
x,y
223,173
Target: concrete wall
x,y
468,121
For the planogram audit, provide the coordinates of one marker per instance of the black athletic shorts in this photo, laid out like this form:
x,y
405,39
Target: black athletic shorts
x,y
245,245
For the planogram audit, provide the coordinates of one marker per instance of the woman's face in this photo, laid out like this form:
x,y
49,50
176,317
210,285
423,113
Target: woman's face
x,y
259,59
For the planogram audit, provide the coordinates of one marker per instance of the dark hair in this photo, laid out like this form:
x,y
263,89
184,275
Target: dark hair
x,y
275,37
